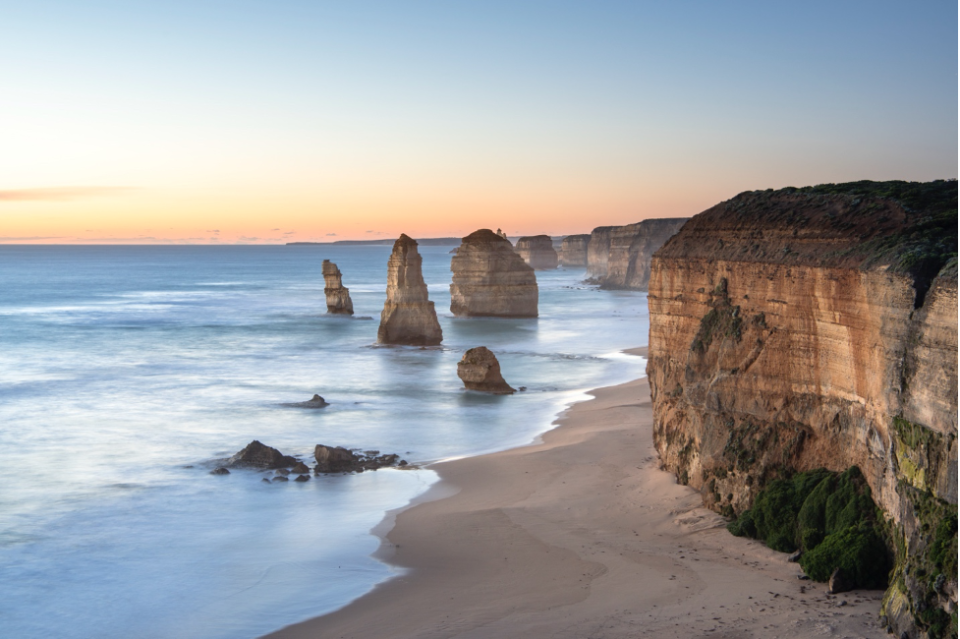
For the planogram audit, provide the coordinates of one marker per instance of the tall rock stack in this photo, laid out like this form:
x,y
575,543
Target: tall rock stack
x,y
631,248
538,252
573,250
408,317
338,295
598,251
490,279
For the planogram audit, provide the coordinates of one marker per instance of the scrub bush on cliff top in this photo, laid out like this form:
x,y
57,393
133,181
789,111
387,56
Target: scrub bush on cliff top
x,y
831,517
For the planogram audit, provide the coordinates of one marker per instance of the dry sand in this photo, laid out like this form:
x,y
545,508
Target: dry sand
x,y
581,535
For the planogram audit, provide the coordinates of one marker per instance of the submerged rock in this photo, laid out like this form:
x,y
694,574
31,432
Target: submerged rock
x,y
302,478
338,295
408,315
480,371
315,402
220,471
257,455
491,279
538,252
300,468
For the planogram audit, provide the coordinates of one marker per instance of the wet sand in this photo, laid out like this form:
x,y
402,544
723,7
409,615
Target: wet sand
x,y
582,535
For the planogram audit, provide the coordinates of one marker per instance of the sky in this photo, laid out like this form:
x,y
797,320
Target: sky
x,y
248,121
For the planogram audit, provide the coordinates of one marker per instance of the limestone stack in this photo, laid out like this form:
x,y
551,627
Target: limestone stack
x,y
538,252
408,316
490,279
480,371
338,295
598,251
805,328
573,250
631,248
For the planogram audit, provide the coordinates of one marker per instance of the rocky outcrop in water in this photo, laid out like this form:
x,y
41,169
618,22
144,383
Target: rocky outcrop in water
x,y
538,252
408,316
338,295
490,279
618,257
257,455
817,328
480,371
336,459
315,402
573,250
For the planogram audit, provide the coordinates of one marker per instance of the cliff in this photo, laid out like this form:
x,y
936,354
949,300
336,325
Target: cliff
x,y
538,252
618,257
817,328
573,250
490,279
338,295
408,316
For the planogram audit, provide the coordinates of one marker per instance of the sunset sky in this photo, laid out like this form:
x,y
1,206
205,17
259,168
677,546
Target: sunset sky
x,y
272,121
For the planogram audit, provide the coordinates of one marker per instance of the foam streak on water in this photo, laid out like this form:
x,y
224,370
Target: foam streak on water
x,y
124,371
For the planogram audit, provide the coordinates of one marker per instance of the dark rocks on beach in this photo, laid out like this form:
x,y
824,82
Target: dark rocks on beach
x,y
220,471
257,455
838,583
300,468
281,478
336,459
302,478
480,371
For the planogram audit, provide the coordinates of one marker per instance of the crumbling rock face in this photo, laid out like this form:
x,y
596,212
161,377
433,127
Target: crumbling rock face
x,y
490,279
408,316
573,250
480,371
538,252
801,329
338,295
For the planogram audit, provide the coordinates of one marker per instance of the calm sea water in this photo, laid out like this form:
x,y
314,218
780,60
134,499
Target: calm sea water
x,y
124,371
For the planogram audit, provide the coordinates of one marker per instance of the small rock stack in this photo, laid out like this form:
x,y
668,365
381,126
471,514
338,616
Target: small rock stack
x,y
538,252
338,295
408,316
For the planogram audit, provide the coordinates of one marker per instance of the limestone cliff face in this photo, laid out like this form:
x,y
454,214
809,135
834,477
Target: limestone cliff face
x,y
573,250
799,329
618,257
408,317
538,252
338,295
490,279
631,248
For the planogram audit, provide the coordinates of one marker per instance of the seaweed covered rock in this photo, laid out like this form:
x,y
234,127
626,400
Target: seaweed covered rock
x,y
257,455
480,371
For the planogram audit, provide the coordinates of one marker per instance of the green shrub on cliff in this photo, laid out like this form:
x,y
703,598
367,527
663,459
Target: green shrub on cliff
x,y
831,517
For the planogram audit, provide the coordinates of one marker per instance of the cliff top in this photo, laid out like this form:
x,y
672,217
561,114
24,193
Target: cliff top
x,y
484,235
404,241
906,227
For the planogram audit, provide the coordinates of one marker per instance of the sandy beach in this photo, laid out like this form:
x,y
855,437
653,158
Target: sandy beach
x,y
582,535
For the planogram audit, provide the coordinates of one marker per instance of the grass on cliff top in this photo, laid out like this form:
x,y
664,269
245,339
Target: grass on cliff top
x,y
831,517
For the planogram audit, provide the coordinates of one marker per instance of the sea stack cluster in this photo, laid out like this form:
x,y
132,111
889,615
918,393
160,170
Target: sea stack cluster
x,y
573,250
408,316
538,252
491,279
338,295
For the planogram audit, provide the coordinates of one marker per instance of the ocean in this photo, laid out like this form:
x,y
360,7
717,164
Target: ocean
x,y
126,371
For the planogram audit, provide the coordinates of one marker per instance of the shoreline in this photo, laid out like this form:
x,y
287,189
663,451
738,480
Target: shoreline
x,y
581,534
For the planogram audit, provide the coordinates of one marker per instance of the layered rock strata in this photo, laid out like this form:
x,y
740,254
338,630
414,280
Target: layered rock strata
x,y
491,279
408,316
538,252
338,295
618,257
573,250
817,327
480,371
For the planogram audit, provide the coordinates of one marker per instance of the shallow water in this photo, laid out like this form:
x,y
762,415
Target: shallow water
x,y
126,371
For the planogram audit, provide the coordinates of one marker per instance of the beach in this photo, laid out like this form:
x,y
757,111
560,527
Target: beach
x,y
580,534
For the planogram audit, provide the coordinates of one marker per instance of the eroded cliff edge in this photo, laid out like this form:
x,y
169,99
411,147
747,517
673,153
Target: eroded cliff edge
x,y
817,328
618,257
